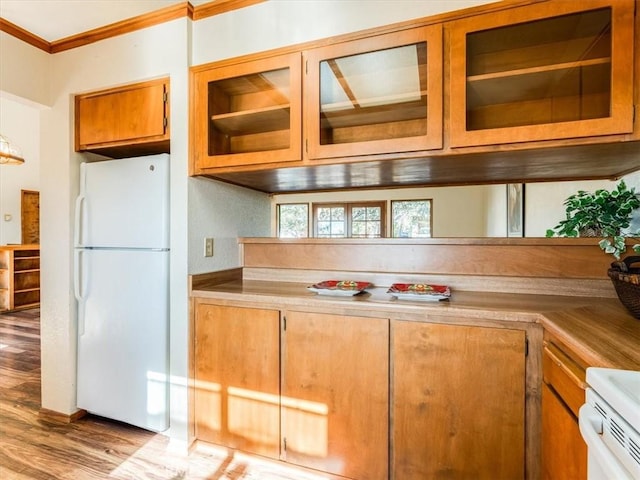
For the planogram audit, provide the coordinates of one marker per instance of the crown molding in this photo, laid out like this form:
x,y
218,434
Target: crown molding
x,y
218,7
21,34
157,17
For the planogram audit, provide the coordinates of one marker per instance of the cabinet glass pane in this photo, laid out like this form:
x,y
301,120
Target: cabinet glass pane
x,y
250,113
374,96
545,71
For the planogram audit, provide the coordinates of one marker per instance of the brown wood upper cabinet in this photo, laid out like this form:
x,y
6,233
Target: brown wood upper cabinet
x,y
248,113
124,121
381,94
547,71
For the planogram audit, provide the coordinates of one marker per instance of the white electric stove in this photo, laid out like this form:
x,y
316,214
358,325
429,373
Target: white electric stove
x,y
610,424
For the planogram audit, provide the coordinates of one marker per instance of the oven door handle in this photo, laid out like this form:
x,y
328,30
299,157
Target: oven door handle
x,y
591,428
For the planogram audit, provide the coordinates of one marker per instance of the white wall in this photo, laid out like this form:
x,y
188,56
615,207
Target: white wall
x,y
25,70
279,23
20,123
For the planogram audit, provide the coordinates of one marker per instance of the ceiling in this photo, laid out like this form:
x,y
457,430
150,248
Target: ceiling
x,y
54,20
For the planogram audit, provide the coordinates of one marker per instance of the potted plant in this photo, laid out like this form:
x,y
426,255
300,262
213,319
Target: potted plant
x,y
607,214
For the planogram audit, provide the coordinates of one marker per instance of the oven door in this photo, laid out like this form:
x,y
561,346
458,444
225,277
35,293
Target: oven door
x,y
602,464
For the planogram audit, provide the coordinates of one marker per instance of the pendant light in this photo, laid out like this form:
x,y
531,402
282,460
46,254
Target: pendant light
x,y
9,154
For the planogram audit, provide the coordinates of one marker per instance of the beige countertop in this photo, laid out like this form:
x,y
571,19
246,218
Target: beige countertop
x,y
601,330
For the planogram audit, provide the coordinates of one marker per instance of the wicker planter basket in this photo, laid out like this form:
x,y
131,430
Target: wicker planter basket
x,y
626,280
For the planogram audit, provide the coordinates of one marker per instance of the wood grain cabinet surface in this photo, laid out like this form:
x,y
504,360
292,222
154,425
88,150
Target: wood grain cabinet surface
x,y
124,121
458,404
564,453
335,394
548,71
237,378
366,398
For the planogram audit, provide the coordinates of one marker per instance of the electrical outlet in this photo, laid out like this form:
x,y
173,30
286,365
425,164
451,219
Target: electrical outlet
x,y
208,247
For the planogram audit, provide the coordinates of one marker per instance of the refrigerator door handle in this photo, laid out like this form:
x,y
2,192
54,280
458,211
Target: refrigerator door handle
x,y
78,218
77,288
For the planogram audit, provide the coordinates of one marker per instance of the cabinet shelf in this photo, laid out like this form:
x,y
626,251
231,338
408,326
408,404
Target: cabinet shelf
x,y
259,120
385,110
31,270
25,290
558,80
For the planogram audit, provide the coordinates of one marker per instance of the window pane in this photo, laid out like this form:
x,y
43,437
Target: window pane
x,y
358,214
337,213
411,218
293,220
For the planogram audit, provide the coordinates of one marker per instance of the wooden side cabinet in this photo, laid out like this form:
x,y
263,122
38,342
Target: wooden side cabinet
x,y
564,453
458,403
124,121
552,70
19,277
237,378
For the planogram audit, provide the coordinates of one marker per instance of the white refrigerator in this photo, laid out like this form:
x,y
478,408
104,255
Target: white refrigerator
x,y
121,284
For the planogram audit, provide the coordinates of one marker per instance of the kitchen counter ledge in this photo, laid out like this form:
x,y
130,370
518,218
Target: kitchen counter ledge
x,y
599,329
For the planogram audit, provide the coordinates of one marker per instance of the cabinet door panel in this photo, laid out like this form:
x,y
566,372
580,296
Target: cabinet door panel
x,y
335,394
237,382
133,114
248,114
564,453
458,402
378,95
542,72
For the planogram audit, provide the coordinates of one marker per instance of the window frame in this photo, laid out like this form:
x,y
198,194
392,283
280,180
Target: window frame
x,y
348,214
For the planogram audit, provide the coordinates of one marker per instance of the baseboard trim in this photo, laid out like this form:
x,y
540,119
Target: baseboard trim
x,y
57,417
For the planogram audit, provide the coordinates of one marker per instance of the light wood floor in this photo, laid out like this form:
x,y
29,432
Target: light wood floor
x,y
93,447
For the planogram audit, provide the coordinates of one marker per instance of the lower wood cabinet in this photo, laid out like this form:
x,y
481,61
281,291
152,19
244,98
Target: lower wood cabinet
x,y
362,398
335,394
237,378
458,402
564,452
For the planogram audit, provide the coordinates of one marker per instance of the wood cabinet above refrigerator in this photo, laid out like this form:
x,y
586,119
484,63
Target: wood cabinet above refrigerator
x,y
124,121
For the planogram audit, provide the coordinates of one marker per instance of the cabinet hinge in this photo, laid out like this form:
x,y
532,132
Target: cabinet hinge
x,y
165,97
526,346
165,122
306,66
284,444
306,145
284,322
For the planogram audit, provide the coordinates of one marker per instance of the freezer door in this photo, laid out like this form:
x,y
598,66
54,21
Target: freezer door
x,y
123,336
124,203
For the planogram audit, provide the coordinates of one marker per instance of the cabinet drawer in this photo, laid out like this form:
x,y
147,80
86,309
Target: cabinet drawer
x,y
565,376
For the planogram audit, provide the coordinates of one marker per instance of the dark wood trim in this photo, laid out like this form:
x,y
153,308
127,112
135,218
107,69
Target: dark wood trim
x,y
125,26
57,417
221,6
204,280
21,34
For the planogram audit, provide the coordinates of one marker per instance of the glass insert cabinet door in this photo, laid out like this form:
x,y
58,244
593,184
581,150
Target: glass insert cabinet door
x,y
549,71
378,95
248,113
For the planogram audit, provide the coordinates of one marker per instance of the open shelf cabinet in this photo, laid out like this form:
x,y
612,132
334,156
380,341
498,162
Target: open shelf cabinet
x,y
19,277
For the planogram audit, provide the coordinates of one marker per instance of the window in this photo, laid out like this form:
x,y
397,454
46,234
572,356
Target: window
x,y
293,220
411,218
338,220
